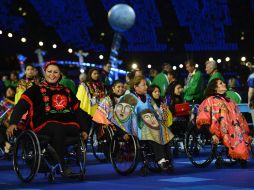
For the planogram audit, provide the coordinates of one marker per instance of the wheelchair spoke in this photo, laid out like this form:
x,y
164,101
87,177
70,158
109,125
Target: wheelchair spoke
x,y
199,148
124,155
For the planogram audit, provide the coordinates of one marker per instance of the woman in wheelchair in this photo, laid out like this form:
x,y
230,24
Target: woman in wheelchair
x,y
225,121
53,111
137,114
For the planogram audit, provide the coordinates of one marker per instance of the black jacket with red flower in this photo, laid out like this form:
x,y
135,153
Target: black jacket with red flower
x,y
47,103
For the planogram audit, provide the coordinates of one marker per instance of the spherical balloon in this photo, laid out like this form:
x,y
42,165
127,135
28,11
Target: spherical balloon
x,y
121,17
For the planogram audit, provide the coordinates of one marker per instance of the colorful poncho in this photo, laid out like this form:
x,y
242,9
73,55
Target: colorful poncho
x,y
104,112
227,123
86,95
140,119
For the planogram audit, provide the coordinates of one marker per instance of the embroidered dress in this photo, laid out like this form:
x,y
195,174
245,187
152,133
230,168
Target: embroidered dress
x,y
87,96
50,103
227,123
139,118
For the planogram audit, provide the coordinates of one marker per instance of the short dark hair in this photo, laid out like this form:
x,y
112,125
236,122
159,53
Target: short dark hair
x,y
191,62
173,73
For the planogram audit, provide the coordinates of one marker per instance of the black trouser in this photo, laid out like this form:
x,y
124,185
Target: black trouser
x,y
160,151
58,134
3,137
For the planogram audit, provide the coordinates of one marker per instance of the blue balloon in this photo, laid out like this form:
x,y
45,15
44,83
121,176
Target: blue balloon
x,y
121,17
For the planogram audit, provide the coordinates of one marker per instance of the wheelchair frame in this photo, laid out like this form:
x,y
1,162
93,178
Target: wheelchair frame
x,y
28,150
131,151
197,140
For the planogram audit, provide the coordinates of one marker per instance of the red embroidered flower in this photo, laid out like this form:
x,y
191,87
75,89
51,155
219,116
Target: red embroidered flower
x,y
43,90
59,102
45,98
47,108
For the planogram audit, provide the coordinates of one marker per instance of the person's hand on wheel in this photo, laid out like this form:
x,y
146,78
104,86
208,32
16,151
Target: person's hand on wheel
x,y
84,135
10,130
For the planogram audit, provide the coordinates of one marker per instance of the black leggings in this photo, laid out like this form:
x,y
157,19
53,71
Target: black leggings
x,y
58,133
160,151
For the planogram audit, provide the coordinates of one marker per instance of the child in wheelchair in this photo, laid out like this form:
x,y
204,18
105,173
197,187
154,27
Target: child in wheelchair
x,y
225,121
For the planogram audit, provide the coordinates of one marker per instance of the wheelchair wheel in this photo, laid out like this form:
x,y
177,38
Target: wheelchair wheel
x,y
81,158
75,158
27,156
124,154
149,159
198,146
101,142
222,153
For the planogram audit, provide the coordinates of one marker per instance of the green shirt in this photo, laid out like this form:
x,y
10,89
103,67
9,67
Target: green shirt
x,y
234,96
194,89
215,76
161,80
69,84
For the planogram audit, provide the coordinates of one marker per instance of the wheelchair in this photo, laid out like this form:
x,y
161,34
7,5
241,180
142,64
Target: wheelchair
x,y
100,138
200,149
125,155
33,154
179,128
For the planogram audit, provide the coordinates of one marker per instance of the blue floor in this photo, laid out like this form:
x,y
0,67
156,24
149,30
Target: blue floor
x,y
103,177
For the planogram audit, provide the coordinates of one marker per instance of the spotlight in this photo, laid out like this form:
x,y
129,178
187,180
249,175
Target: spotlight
x,y
134,66
210,59
243,59
70,50
149,66
82,70
40,43
101,57
23,40
54,46
227,59
10,35
1,32
218,60
181,66
196,65
174,67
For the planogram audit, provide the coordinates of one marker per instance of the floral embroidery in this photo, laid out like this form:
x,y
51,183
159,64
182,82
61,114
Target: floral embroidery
x,y
43,90
60,98
45,98
47,108
59,102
